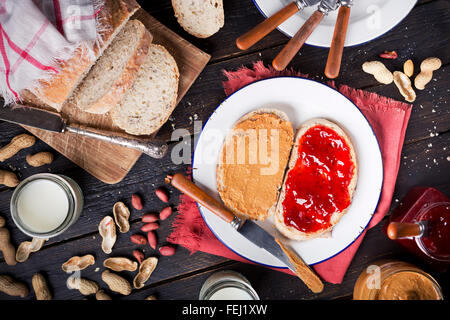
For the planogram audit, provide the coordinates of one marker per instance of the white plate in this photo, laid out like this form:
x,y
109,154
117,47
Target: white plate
x,y
369,19
301,99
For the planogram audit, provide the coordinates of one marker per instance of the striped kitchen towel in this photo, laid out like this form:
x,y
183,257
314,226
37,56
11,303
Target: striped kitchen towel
x,y
36,34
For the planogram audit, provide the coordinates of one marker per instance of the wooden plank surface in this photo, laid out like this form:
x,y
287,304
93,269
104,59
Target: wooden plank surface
x,y
424,160
107,162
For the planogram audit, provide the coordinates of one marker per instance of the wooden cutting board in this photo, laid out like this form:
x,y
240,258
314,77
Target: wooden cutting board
x,y
105,161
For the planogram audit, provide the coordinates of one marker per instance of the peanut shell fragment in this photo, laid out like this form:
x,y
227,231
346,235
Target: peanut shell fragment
x,y
8,178
145,271
27,247
39,159
77,263
121,216
101,295
116,283
107,230
40,287
426,72
120,264
12,287
379,71
403,84
85,286
6,247
17,143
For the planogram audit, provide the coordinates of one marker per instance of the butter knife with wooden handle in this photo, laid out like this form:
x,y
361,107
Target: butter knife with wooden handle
x,y
51,121
251,231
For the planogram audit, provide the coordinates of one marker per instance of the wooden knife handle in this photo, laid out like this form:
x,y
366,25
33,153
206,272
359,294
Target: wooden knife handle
x,y
398,230
251,37
337,44
302,270
186,186
293,46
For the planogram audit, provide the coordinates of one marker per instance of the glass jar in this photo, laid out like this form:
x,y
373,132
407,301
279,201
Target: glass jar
x,y
227,285
395,280
426,210
45,205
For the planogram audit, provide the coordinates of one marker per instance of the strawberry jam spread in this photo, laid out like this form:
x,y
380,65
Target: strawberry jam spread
x,y
317,186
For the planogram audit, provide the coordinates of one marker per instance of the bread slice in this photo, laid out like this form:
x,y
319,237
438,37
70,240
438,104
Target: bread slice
x,y
114,71
55,91
279,220
248,182
201,18
151,99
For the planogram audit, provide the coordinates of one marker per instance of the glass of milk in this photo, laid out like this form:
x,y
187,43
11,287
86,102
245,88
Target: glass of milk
x,y
45,205
227,285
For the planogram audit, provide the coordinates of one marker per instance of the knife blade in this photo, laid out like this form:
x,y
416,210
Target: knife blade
x,y
265,240
52,121
32,117
250,230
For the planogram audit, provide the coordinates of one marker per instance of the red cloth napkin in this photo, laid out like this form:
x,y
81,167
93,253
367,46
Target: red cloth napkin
x,y
388,118
35,34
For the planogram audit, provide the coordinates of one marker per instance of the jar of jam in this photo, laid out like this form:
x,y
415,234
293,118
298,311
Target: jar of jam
x,y
395,280
421,224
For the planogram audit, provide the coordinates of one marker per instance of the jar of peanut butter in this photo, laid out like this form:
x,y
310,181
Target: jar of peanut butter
x,y
395,280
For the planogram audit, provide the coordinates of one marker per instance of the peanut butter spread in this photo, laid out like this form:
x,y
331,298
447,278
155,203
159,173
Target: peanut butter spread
x,y
252,165
408,285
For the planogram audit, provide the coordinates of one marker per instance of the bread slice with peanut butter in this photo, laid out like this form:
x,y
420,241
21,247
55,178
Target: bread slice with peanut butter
x,y
252,163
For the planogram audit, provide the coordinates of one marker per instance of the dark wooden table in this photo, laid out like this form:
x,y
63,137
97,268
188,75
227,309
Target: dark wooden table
x,y
425,162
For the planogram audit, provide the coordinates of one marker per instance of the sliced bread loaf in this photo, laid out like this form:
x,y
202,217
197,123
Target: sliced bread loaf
x,y
148,103
252,163
319,184
201,18
115,70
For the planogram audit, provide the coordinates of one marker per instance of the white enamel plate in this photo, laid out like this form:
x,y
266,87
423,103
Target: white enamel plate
x,y
369,19
301,99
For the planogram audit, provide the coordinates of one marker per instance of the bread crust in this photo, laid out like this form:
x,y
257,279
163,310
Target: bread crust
x,y
291,232
173,103
260,214
121,84
58,89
